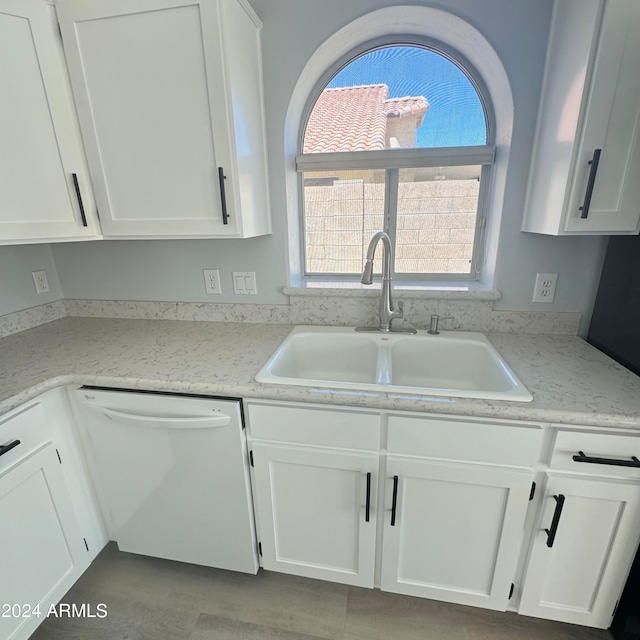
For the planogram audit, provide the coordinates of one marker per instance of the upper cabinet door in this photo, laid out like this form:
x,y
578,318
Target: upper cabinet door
x,y
44,180
158,112
586,160
611,124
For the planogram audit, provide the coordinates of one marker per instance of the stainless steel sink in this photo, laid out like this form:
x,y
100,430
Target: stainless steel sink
x,y
456,364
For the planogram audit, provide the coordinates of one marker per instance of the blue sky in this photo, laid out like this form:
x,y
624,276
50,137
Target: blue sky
x,y
455,116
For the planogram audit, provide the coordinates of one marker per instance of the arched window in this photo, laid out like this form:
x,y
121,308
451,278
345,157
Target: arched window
x,y
399,139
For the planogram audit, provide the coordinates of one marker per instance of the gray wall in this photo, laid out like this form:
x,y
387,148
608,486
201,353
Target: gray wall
x,y
17,290
293,29
169,270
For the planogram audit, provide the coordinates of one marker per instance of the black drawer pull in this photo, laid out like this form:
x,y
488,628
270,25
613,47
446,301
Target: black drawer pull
x,y
594,162
394,502
223,195
581,457
5,448
79,196
551,533
368,506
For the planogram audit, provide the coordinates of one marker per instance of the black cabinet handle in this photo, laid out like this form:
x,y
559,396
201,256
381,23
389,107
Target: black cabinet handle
x,y
394,502
5,448
223,195
594,162
367,509
551,533
79,196
581,457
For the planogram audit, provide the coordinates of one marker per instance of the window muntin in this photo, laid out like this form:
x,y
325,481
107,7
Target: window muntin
x,y
376,151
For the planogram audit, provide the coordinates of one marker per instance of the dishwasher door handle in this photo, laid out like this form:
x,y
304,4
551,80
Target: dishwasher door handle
x,y
204,422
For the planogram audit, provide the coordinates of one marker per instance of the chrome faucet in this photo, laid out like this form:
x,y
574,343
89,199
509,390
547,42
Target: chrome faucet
x,y
386,311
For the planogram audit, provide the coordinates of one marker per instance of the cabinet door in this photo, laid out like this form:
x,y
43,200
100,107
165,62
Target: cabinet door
x,y
453,531
39,136
153,103
612,124
580,577
312,512
42,546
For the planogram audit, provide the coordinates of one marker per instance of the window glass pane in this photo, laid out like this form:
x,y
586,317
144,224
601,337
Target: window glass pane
x,y
396,97
342,210
436,222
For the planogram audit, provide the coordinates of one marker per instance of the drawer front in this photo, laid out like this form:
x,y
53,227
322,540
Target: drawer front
x,y
29,427
468,441
604,454
315,426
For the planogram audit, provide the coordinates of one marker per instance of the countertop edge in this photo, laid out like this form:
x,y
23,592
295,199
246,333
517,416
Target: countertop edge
x,y
379,402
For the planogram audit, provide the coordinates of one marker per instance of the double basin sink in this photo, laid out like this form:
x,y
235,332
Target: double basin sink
x,y
452,364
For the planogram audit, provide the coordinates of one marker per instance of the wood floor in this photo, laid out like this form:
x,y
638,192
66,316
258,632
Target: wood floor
x,y
151,599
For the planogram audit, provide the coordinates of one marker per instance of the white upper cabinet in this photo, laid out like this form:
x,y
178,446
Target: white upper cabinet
x,y
586,160
45,191
170,100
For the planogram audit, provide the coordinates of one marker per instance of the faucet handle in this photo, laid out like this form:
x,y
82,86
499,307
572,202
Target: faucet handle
x,y
400,309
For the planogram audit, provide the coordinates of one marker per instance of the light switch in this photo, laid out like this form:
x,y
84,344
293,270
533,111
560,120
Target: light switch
x,y
244,282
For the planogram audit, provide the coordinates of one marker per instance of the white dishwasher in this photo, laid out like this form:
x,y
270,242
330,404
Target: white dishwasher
x,y
171,475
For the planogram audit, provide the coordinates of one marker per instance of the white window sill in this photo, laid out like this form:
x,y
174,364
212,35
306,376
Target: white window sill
x,y
434,291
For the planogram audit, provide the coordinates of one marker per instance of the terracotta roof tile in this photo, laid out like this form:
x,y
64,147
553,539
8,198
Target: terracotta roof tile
x,y
409,105
355,118
348,119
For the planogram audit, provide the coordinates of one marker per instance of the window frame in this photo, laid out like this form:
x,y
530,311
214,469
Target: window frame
x,y
391,160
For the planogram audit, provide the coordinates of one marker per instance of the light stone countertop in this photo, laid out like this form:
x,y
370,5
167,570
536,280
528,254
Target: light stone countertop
x,y
571,382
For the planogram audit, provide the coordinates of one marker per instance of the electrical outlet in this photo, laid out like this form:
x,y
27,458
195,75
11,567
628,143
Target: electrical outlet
x,y
212,281
244,282
41,282
545,289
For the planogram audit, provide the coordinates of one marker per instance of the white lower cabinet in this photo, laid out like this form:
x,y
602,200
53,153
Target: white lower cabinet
x,y
48,530
456,516
453,531
450,530
430,506
317,512
45,543
42,542
582,550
